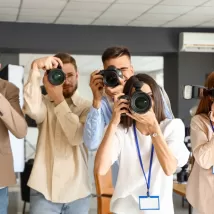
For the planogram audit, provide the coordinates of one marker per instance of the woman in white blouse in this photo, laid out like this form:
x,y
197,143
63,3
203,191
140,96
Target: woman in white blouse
x,y
149,148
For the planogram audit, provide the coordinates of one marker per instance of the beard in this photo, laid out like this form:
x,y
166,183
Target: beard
x,y
69,93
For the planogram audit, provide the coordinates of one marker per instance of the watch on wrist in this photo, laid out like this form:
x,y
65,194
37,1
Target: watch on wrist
x,y
154,134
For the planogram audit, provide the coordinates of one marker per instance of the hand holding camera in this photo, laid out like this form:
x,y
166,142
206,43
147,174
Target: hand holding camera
x,y
121,106
111,76
53,67
55,92
46,63
113,80
116,90
53,78
140,102
140,108
96,84
148,120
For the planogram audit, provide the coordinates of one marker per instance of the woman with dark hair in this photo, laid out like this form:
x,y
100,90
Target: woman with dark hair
x,y
200,186
149,148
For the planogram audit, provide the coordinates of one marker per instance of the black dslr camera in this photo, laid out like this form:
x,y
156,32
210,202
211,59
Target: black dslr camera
x,y
196,92
111,76
140,102
56,76
183,175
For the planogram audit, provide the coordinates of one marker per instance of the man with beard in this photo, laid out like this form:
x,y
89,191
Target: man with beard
x,y
59,179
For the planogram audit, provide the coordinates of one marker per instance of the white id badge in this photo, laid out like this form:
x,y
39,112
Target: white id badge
x,y
213,169
149,203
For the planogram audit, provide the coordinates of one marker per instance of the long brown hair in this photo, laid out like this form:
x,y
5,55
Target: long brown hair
x,y
204,106
156,94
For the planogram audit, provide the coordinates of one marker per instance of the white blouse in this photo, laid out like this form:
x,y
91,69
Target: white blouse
x,y
131,182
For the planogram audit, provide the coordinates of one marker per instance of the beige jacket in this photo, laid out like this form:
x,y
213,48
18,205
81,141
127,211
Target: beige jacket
x,y
60,170
200,186
12,119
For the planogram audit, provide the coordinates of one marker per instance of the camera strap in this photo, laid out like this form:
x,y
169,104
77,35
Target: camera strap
x,y
211,125
140,160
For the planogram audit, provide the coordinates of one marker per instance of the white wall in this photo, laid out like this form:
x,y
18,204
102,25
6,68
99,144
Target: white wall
x,y
83,87
158,76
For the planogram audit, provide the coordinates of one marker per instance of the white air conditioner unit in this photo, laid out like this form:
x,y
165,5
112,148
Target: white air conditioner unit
x,y
196,42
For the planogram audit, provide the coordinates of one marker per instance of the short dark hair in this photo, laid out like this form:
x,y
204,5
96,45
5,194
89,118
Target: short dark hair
x,y
114,52
156,94
67,58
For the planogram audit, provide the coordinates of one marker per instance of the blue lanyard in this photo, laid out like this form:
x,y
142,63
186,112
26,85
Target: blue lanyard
x,y
141,163
211,125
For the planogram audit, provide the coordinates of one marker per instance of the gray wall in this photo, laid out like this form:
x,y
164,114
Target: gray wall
x,y
171,80
185,69
193,68
50,38
9,58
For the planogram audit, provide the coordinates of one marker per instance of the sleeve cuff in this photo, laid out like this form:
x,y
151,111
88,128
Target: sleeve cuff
x,y
95,110
34,77
4,105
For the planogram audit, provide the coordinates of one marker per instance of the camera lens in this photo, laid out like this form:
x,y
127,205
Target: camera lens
x,y
111,79
56,76
182,176
141,102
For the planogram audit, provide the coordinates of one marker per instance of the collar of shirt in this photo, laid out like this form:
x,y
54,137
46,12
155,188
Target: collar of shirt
x,y
73,98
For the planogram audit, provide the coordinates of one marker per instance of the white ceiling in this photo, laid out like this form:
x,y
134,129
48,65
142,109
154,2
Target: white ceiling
x,y
152,13
89,63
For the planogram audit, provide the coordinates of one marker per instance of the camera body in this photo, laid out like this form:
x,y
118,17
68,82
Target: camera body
x,y
183,175
196,92
111,76
140,102
56,76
